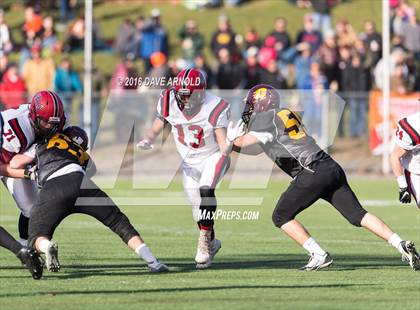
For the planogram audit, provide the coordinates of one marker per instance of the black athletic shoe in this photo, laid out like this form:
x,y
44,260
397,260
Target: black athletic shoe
x,y
410,254
33,262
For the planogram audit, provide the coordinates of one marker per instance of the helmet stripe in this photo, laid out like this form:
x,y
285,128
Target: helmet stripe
x,y
57,101
184,78
54,101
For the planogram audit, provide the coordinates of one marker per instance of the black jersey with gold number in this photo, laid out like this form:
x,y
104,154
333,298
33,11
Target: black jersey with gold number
x,y
57,153
289,146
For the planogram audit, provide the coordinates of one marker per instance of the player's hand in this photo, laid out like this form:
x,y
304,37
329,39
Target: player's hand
x,y
405,196
31,173
236,131
145,144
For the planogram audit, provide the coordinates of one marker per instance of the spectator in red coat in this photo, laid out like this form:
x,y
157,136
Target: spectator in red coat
x,y
13,88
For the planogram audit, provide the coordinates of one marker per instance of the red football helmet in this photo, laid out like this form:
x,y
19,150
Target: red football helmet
x,y
78,135
190,85
46,113
262,97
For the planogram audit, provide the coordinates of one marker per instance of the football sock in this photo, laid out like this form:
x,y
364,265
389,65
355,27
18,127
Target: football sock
x,y
8,242
43,245
23,226
395,241
313,247
23,242
144,252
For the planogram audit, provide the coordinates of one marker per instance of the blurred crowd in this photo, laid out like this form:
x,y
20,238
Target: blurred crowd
x,y
322,56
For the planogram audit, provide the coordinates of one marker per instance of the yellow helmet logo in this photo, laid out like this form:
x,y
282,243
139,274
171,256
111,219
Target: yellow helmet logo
x,y
260,93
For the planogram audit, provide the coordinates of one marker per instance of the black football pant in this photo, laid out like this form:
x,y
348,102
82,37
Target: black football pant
x,y
327,181
57,200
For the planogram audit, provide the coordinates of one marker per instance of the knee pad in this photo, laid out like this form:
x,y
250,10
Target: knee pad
x,y
119,223
208,205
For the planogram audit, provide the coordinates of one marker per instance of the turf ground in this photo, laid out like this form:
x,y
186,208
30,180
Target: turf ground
x,y
256,267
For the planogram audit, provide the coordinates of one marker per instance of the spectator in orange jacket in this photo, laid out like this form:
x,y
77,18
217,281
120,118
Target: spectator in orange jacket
x,y
38,72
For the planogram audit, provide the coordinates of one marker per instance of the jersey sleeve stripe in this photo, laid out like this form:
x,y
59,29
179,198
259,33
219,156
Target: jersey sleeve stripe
x,y
414,135
165,103
1,131
221,167
214,115
19,133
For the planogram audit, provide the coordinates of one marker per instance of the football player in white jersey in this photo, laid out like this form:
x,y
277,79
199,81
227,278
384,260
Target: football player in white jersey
x,y
19,129
405,158
204,137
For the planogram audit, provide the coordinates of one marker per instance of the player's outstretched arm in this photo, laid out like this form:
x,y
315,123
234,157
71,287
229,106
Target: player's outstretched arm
x,y
247,144
7,171
398,170
147,142
20,161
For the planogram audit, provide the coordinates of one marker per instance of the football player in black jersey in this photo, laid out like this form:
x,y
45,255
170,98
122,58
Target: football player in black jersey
x,y
60,171
279,133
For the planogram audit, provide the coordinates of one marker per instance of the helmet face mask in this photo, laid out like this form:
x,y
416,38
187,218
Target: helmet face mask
x,y
47,129
247,114
190,102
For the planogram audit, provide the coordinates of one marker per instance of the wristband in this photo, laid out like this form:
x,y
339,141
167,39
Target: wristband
x,y
402,182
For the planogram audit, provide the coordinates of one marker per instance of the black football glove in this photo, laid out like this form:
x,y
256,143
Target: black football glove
x,y
405,196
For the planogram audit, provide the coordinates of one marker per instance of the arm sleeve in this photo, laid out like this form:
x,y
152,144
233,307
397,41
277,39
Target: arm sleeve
x,y
224,118
265,127
402,138
162,107
263,137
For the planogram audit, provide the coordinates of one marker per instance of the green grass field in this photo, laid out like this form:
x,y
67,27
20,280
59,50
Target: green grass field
x,y
256,267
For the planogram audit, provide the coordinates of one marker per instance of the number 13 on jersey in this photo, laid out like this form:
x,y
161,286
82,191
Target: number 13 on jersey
x,y
193,135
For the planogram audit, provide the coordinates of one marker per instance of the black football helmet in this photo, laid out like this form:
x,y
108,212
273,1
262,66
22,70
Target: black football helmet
x,y
77,135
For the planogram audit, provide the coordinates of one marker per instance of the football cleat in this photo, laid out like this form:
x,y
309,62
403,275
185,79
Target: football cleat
x,y
317,262
215,246
410,254
157,267
33,262
51,257
203,247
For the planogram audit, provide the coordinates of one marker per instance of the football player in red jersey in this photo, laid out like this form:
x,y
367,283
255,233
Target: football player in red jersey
x,y
203,136
19,129
405,158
